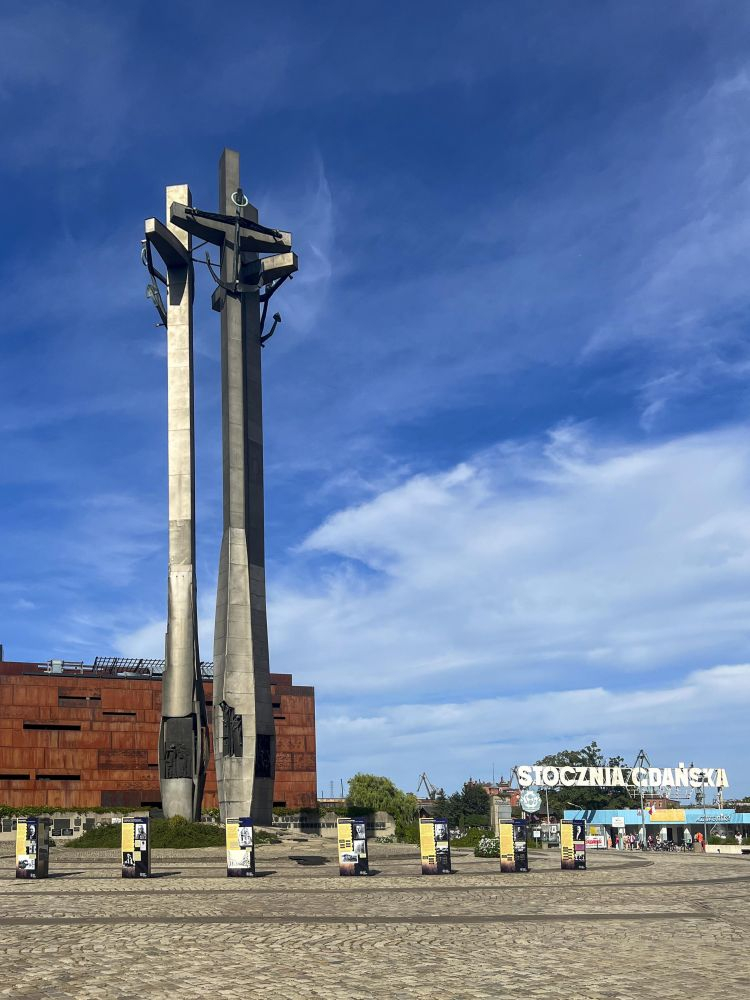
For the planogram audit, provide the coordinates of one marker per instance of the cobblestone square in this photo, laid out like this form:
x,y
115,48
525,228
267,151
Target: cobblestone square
x,y
671,924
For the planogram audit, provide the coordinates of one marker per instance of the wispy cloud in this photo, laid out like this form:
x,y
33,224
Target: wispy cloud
x,y
312,210
682,295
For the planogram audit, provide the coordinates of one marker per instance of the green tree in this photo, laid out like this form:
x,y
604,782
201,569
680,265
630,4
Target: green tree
x,y
475,799
471,801
585,798
371,791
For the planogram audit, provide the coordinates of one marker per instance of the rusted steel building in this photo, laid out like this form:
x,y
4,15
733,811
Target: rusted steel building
x,y
77,735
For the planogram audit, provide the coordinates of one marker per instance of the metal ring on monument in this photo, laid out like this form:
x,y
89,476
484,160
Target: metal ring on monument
x,y
239,199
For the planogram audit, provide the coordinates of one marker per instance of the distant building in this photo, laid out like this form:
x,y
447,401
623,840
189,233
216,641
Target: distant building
x,y
76,735
502,789
675,825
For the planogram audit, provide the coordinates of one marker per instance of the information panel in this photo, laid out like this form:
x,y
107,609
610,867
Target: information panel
x,y
240,847
136,847
507,854
572,844
579,843
520,846
435,846
32,847
514,854
352,837
567,855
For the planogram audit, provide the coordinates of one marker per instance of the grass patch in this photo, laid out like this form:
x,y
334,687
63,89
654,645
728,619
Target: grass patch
x,y
177,834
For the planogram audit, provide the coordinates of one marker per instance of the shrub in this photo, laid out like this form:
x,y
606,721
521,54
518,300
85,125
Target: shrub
x,y
471,838
488,847
407,833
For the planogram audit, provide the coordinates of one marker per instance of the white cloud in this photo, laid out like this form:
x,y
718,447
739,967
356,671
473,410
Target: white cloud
x,y
524,564
700,718
537,555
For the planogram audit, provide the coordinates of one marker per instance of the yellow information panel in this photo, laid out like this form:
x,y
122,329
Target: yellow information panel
x,y
20,837
514,852
427,846
32,847
240,841
136,847
507,850
352,841
567,856
435,846
573,844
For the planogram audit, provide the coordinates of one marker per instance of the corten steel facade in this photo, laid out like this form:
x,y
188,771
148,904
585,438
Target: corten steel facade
x,y
75,739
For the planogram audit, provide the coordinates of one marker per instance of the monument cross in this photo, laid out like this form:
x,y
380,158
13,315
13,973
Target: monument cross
x,y
244,733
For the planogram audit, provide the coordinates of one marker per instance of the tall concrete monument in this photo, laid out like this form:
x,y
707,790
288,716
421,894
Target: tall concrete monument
x,y
183,736
244,734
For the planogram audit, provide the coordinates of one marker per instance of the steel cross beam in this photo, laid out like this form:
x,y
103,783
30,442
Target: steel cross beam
x,y
183,735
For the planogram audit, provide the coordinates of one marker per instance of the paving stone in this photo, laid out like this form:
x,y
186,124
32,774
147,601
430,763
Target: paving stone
x,y
303,931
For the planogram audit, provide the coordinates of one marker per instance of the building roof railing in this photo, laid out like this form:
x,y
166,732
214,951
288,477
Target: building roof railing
x,y
117,666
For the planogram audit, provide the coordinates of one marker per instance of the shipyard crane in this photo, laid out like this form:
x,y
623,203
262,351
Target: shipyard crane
x,y
432,792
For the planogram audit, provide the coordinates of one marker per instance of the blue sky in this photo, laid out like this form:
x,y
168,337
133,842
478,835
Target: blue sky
x,y
507,449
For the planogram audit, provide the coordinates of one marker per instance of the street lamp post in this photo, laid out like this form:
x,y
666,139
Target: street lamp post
x,y
643,820
705,825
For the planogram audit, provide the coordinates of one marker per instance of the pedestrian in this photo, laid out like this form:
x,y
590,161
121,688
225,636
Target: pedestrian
x,y
700,839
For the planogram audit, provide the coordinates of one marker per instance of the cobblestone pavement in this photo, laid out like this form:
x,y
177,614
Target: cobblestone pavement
x,y
667,924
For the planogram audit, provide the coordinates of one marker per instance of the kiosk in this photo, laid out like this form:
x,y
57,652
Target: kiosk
x,y
240,847
32,847
352,839
136,847
435,846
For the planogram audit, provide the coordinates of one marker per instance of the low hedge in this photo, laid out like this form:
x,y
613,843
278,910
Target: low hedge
x,y
13,811
176,834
